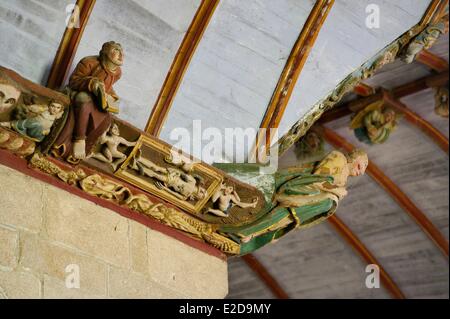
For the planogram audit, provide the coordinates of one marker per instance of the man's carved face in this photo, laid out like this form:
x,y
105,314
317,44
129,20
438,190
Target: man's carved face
x,y
8,97
115,54
358,165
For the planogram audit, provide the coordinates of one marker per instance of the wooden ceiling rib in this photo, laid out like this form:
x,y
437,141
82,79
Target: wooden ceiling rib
x,y
432,61
265,276
179,66
68,46
362,250
419,122
294,65
394,191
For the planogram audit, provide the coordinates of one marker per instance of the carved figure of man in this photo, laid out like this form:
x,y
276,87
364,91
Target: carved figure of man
x,y
225,198
175,181
37,127
93,98
110,141
304,196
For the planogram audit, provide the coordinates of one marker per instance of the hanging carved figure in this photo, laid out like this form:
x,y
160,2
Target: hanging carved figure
x,y
110,142
374,124
92,100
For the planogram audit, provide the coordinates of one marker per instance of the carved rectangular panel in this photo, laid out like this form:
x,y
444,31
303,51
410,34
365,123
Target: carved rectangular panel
x,y
160,170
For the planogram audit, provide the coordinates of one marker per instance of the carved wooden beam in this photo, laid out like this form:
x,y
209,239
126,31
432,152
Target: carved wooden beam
x,y
69,44
413,87
418,121
294,66
434,11
362,250
395,192
432,61
440,79
265,276
179,66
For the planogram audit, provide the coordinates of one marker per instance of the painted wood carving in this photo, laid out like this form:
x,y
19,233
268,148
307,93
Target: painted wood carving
x,y
79,142
375,123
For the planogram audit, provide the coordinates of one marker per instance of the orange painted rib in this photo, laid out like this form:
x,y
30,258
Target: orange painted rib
x,y
432,61
396,193
362,250
68,46
265,276
294,65
418,121
179,66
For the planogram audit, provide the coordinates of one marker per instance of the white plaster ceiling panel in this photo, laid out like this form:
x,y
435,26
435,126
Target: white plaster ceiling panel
x,y
30,35
344,44
150,32
236,66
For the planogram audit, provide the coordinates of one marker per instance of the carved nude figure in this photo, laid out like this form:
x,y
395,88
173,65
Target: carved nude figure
x,y
175,181
225,198
110,141
38,126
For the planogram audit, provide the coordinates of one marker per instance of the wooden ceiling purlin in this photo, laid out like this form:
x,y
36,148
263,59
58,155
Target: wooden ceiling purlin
x,y
179,66
265,276
413,87
432,61
347,234
293,68
418,121
69,45
394,191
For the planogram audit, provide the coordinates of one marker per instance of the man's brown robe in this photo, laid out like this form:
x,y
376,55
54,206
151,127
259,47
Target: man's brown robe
x,y
86,120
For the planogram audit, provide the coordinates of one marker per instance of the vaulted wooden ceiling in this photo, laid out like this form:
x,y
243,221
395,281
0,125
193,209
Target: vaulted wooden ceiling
x,y
262,63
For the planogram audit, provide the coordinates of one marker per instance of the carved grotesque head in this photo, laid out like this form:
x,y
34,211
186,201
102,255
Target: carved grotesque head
x,y
9,95
358,162
113,52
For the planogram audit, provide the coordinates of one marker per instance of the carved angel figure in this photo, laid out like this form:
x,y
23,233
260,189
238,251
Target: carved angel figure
x,y
110,141
40,121
225,198
374,124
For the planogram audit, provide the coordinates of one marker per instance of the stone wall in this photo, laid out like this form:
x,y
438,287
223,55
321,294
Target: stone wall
x,y
44,229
